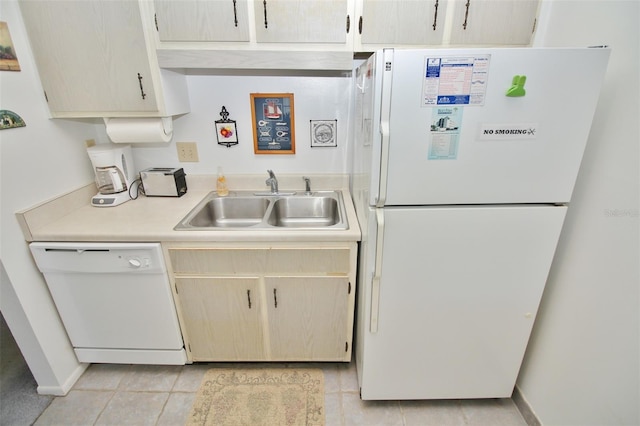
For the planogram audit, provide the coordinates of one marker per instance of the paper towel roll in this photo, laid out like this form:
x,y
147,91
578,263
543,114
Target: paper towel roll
x,y
139,130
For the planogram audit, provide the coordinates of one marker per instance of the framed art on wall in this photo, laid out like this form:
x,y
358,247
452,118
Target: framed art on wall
x,y
323,133
272,119
8,58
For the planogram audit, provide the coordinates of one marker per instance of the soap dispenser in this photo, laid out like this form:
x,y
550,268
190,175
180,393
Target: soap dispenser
x,y
221,184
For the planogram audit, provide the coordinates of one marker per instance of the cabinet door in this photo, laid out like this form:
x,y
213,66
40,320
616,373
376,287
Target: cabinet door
x,y
397,22
222,318
97,64
308,318
202,20
301,21
504,22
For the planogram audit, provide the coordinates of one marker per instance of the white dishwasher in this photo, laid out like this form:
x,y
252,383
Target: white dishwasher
x,y
115,301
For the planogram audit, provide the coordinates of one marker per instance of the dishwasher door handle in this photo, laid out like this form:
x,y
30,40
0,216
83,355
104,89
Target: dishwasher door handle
x,y
72,250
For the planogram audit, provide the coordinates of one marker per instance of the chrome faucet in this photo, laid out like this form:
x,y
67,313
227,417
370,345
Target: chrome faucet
x,y
272,181
307,185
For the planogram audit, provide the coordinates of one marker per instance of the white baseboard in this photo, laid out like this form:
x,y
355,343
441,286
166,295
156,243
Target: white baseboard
x,y
525,408
132,356
63,389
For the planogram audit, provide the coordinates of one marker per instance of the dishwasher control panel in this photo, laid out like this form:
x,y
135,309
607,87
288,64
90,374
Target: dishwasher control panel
x,y
99,257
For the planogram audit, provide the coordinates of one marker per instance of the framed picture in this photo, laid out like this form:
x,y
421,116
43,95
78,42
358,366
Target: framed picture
x,y
8,59
323,133
272,120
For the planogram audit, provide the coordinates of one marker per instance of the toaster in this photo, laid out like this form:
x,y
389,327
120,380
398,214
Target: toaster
x,y
164,182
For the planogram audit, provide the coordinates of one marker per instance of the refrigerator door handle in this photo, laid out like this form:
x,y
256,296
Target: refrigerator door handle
x,y
377,271
385,118
384,165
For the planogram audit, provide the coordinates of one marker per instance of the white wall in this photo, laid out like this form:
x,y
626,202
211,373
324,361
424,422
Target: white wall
x,y
581,367
315,98
39,161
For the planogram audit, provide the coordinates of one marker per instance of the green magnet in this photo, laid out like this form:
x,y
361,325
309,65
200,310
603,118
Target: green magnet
x,y
517,86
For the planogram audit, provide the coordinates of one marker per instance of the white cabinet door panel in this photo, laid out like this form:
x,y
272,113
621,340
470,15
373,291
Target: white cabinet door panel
x,y
94,64
308,317
494,22
301,21
202,20
404,22
223,318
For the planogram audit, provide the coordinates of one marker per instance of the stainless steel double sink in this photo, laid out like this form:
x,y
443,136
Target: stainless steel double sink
x,y
243,209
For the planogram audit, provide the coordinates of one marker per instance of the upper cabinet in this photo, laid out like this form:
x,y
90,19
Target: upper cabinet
x,y
255,34
102,65
116,60
399,22
202,20
302,21
324,34
493,22
429,23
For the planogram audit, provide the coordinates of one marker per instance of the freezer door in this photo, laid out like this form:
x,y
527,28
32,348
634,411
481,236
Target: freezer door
x,y
366,133
456,299
490,148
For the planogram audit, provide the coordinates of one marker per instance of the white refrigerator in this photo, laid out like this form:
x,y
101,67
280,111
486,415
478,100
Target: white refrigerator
x,y
464,164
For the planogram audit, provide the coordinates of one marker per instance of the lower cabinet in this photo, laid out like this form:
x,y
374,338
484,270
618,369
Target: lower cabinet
x,y
223,317
265,303
308,317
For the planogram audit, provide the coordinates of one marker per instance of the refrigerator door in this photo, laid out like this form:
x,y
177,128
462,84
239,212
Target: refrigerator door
x,y
450,313
487,147
366,129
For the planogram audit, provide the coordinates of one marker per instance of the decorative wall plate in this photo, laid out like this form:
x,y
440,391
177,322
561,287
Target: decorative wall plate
x,y
9,120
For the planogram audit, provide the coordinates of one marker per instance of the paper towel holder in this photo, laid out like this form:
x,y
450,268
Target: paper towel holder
x,y
164,123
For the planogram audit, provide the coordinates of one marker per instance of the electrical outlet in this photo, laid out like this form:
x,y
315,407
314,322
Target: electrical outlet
x,y
187,152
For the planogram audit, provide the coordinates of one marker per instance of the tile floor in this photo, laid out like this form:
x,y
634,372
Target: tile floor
x,y
109,394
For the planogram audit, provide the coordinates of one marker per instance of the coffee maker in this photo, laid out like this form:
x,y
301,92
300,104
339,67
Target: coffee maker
x,y
115,174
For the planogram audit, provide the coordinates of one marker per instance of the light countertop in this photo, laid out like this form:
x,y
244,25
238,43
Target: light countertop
x,y
151,219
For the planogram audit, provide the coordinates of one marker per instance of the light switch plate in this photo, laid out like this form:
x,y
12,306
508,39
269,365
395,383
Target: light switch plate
x,y
187,152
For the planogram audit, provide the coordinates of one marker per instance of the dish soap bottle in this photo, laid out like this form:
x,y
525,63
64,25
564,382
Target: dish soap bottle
x,y
221,184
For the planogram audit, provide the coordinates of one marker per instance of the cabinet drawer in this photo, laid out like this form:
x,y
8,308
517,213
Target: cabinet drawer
x,y
330,261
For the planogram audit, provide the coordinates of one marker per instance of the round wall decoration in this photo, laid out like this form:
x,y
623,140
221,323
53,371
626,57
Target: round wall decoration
x,y
9,120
